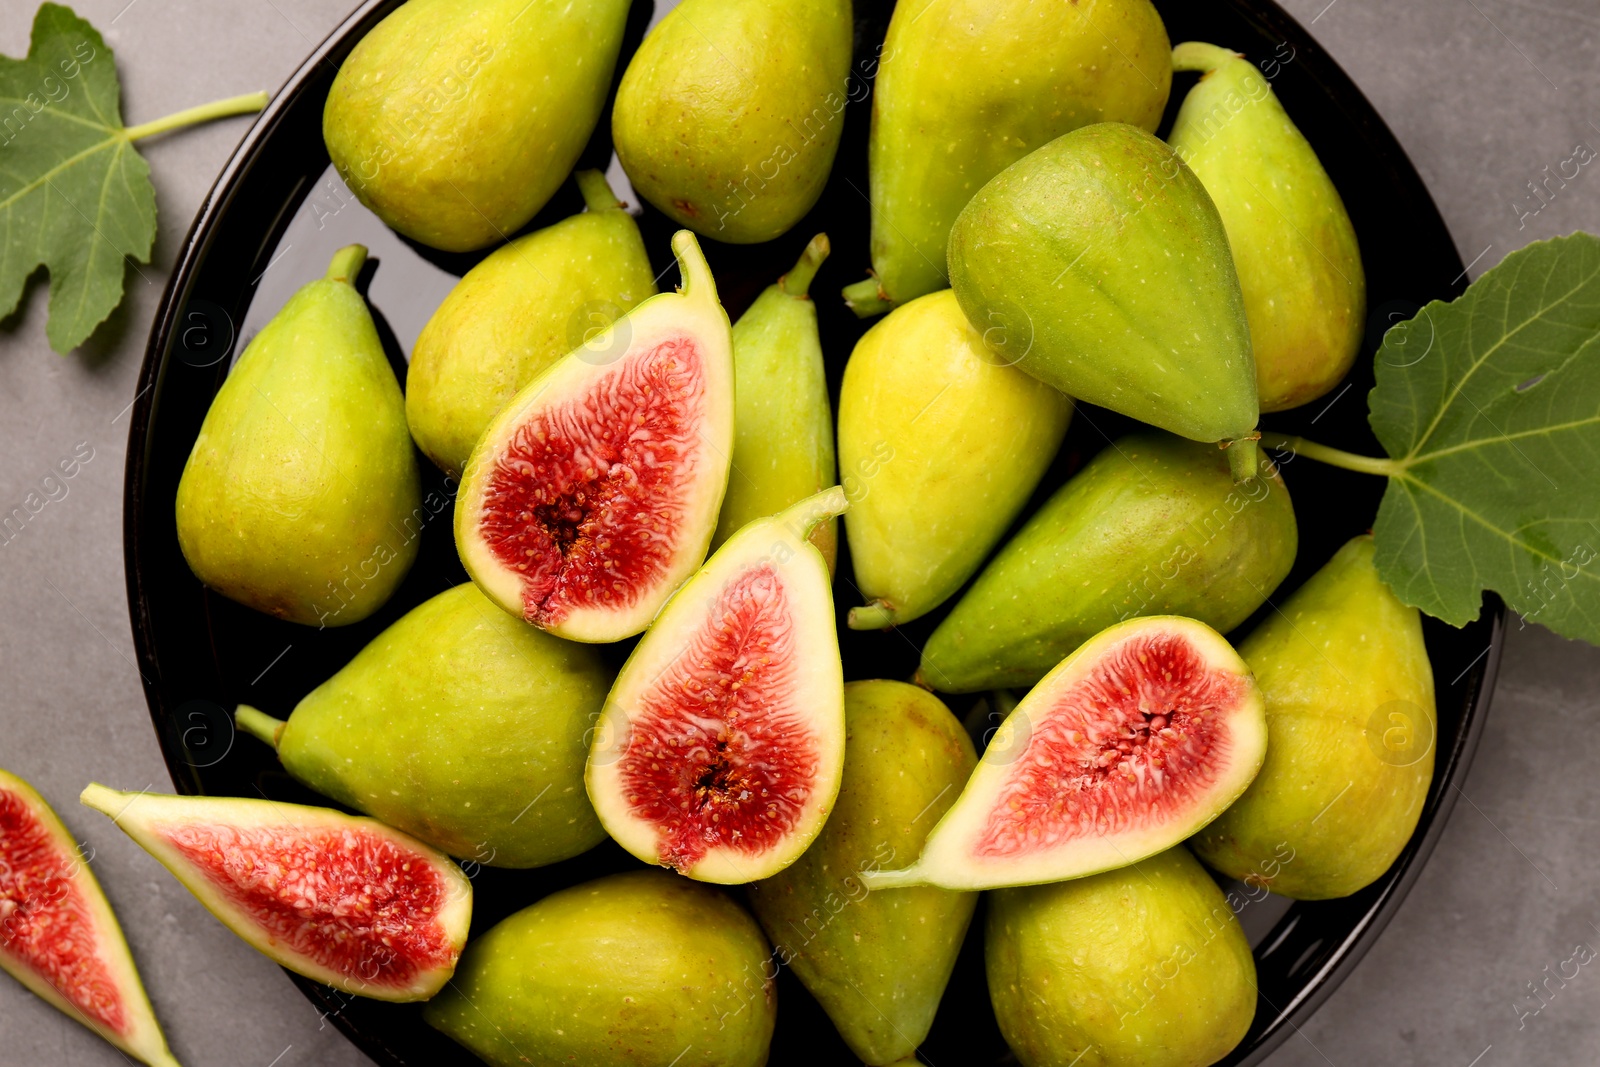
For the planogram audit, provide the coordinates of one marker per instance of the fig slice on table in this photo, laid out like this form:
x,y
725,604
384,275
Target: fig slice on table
x,y
58,936
341,900
595,492
720,748
1131,744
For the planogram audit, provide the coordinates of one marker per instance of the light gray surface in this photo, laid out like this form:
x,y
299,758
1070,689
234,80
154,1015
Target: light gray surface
x,y
1482,93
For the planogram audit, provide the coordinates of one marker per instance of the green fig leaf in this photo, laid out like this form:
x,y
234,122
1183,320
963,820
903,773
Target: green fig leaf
x,y
1489,406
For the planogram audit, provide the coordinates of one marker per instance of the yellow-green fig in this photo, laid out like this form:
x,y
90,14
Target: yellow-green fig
x,y
1144,966
877,962
729,115
518,311
455,123
968,87
1351,726
643,969
1299,265
939,447
301,497
782,426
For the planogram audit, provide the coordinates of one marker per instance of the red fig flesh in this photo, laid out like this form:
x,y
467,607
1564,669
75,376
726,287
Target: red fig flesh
x,y
58,936
721,745
595,493
1131,744
339,899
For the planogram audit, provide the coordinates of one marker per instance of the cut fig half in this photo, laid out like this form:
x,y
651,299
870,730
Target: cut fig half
x,y
58,936
1131,744
342,900
595,493
720,747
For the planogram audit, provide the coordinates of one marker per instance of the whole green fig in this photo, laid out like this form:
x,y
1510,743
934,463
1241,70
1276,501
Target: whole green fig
x,y
968,87
455,122
1350,738
514,314
1153,525
1299,265
877,962
643,969
1098,264
729,115
1144,966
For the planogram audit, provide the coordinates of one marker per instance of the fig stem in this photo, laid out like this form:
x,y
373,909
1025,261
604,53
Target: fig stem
x,y
347,263
694,272
803,517
797,283
105,800
1205,58
258,724
867,298
597,192
247,104
909,876
1243,456
1386,468
874,616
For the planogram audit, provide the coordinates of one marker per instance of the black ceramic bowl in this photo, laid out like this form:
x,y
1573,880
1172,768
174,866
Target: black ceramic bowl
x,y
277,214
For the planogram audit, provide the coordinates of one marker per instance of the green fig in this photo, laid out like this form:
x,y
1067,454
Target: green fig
x,y
1350,738
460,725
643,969
729,115
1153,525
782,427
455,123
877,963
301,497
968,87
514,314
939,448
1295,249
1145,966
1099,264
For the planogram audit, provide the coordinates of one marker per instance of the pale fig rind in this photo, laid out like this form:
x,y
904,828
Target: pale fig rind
x,y
1295,248
691,317
163,826
1352,728
1145,966
456,123
965,88
878,963
1153,525
939,449
1072,784
637,968
1099,264
459,725
729,114
516,312
681,766
64,900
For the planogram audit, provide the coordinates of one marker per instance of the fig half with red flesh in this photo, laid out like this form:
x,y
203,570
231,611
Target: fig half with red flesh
x,y
1131,744
58,936
342,900
720,747
595,492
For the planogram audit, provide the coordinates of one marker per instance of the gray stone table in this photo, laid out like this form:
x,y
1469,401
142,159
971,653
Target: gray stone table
x,y
1484,94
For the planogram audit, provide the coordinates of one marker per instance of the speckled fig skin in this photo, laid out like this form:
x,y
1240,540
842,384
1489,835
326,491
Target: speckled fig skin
x,y
877,962
643,969
1299,264
965,88
1153,525
729,114
1351,727
514,314
455,123
1144,966
1099,264
939,448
